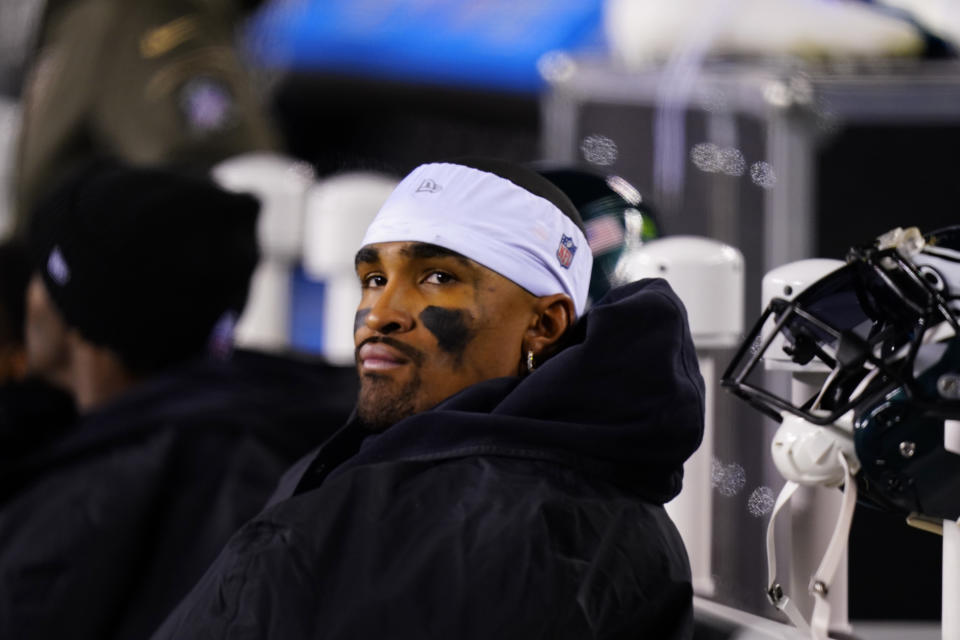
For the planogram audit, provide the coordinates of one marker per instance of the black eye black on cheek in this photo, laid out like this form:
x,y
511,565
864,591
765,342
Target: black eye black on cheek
x,y
360,319
452,327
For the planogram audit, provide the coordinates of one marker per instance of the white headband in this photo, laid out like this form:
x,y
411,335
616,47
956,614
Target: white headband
x,y
492,221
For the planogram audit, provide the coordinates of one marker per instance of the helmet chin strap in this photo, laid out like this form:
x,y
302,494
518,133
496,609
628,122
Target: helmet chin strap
x,y
830,468
774,591
820,583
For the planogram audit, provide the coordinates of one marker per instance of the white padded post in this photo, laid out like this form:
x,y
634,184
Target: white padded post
x,y
692,509
813,514
281,184
813,509
950,603
9,124
950,606
708,276
339,210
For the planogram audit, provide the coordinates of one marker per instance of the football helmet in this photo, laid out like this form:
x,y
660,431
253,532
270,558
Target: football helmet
x,y
615,217
884,329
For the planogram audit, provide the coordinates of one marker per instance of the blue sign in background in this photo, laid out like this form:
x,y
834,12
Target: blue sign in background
x,y
480,43
308,298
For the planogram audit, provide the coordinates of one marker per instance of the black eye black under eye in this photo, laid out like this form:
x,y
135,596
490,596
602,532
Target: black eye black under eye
x,y
453,328
360,319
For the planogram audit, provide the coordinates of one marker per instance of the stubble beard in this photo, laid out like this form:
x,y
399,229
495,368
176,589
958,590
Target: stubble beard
x,y
381,404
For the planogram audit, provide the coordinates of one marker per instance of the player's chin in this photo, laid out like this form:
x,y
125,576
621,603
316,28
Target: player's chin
x,y
384,401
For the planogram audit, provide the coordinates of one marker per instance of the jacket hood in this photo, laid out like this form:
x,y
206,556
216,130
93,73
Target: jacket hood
x,y
624,399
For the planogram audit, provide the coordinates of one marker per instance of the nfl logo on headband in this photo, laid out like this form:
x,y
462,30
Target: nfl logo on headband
x,y
565,251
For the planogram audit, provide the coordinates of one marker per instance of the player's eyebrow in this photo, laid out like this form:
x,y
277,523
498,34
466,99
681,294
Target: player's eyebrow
x,y
366,255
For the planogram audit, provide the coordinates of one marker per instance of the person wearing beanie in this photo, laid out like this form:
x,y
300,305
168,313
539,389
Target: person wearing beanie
x,y
504,471
141,265
14,273
138,274
33,411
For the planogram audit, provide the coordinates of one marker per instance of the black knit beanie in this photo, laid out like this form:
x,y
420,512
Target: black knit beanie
x,y
145,261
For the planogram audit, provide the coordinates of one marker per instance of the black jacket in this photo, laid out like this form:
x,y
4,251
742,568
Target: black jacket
x,y
33,414
518,508
104,531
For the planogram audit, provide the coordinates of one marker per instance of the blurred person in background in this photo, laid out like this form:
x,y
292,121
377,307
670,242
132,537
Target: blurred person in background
x,y
504,471
33,411
149,81
139,273
14,274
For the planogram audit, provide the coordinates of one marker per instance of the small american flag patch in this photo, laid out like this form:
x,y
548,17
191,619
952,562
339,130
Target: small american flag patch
x,y
603,234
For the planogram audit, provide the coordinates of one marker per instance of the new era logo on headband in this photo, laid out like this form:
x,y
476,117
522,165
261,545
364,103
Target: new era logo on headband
x,y
565,251
429,186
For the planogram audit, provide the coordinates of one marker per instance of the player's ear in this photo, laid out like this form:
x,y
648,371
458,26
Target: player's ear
x,y
553,315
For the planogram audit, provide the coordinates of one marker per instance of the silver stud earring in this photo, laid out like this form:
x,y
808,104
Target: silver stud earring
x,y
530,365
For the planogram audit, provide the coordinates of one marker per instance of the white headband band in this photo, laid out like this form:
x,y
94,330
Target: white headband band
x,y
492,221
